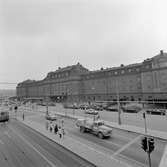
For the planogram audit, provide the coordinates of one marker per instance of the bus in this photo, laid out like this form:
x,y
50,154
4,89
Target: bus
x,y
4,116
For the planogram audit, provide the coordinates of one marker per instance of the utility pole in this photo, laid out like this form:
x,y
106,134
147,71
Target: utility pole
x,y
47,99
118,104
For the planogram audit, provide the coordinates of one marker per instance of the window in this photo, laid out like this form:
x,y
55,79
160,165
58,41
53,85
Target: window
x,y
137,69
116,72
122,71
147,67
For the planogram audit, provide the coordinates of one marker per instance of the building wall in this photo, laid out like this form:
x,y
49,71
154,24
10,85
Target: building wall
x,y
147,80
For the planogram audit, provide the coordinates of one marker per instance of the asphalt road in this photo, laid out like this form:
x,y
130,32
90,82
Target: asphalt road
x,y
21,146
132,154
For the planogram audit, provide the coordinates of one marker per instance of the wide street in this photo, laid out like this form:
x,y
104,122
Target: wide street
x,y
21,146
122,145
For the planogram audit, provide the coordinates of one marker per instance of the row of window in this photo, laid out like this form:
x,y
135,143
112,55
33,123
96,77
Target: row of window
x,y
110,73
62,75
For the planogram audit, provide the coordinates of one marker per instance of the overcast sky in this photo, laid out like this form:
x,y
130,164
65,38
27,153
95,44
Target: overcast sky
x,y
38,36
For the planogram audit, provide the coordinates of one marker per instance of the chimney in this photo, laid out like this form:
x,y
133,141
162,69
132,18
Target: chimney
x,y
161,52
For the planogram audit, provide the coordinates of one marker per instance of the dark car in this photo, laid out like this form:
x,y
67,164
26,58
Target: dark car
x,y
51,117
156,111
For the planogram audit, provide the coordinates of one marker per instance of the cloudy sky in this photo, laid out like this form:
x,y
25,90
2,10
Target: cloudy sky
x,y
38,36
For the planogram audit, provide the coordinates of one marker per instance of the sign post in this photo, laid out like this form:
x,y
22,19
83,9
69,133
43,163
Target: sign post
x,y
147,142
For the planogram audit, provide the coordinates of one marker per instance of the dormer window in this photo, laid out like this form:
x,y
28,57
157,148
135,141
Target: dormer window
x,y
116,72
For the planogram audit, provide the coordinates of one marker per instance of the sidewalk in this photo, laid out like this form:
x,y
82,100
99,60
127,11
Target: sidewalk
x,y
90,154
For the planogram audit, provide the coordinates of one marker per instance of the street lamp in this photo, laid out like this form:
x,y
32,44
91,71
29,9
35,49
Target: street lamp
x,y
118,104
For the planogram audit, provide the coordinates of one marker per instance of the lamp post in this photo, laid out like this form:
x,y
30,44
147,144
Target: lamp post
x,y
118,104
47,99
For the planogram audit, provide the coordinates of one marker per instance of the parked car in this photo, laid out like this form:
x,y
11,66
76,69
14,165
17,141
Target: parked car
x,y
132,108
156,111
84,106
51,117
91,111
97,107
112,108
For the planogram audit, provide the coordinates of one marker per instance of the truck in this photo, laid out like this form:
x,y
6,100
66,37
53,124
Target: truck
x,y
96,127
4,116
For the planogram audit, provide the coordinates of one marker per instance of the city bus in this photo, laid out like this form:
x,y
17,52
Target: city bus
x,y
4,116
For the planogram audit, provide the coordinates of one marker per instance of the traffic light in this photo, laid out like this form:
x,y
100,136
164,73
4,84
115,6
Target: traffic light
x,y
144,144
151,144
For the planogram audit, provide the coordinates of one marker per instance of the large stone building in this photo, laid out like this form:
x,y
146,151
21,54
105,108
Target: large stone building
x,y
140,81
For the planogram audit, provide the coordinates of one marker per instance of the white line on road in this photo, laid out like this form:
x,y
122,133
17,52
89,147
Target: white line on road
x,y
126,145
29,144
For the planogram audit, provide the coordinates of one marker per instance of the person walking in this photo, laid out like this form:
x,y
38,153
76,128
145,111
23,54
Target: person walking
x,y
63,131
50,127
56,129
23,116
59,131
47,125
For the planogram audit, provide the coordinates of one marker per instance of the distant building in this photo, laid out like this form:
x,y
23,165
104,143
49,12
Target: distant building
x,y
140,81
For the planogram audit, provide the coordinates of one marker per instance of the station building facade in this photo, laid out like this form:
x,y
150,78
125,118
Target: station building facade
x,y
141,81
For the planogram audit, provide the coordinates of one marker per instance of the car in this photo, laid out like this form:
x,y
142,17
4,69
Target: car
x,y
112,108
84,106
156,111
97,107
51,117
91,111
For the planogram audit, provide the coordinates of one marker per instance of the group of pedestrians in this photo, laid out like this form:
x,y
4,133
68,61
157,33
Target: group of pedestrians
x,y
53,127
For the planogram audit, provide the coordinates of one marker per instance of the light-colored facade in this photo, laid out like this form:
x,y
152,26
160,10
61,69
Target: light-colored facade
x,y
141,81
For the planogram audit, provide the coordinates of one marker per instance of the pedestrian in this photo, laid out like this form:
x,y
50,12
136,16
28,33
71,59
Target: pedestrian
x,y
50,128
23,116
56,129
47,125
63,131
59,131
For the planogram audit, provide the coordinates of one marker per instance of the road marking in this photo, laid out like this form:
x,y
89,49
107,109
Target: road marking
x,y
126,145
30,145
95,150
1,142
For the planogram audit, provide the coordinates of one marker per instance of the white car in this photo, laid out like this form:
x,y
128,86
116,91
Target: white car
x,y
91,111
51,117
